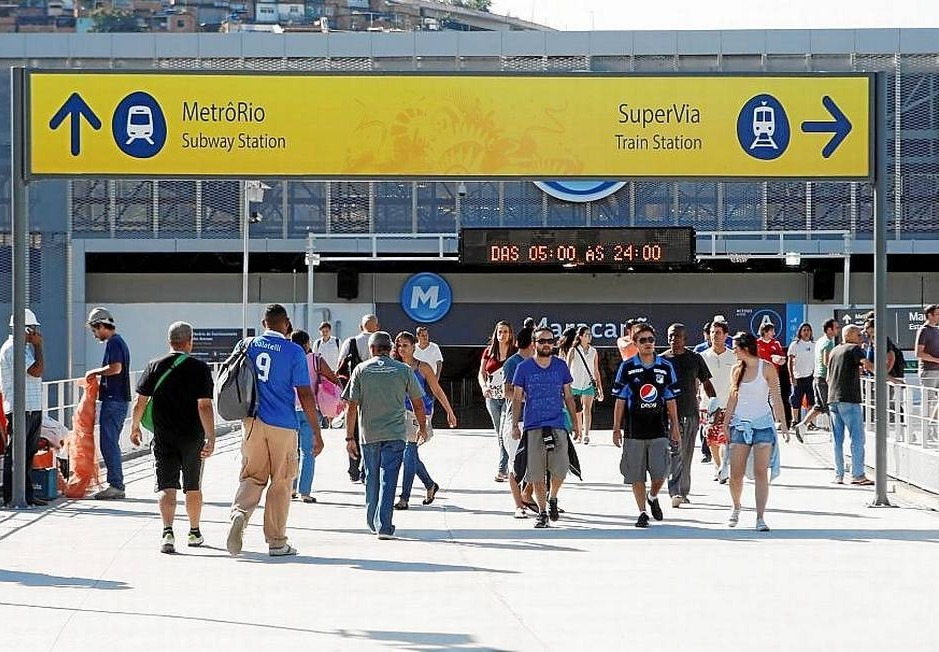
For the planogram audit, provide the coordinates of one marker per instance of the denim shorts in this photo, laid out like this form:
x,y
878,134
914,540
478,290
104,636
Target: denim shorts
x,y
760,436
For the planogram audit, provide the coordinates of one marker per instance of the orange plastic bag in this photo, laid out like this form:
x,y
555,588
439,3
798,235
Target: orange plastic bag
x,y
81,444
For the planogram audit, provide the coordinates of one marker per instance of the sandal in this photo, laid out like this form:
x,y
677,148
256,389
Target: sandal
x,y
431,494
862,481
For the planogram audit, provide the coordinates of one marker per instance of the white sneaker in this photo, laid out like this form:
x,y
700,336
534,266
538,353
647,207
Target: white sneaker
x,y
168,544
520,512
282,551
761,525
734,517
236,533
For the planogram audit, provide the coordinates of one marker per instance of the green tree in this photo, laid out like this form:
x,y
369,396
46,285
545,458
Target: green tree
x,y
114,20
478,5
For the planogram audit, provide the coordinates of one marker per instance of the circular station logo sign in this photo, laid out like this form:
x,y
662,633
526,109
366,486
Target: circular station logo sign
x,y
580,191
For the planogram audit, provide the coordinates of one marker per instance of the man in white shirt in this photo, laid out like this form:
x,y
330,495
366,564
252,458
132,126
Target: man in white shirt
x,y
720,361
33,404
327,346
427,351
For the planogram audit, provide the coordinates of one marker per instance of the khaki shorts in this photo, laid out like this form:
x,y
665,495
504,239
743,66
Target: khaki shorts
x,y
644,455
410,421
557,461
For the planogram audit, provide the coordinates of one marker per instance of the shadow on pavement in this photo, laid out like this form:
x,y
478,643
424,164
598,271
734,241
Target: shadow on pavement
x,y
680,532
371,564
420,640
42,579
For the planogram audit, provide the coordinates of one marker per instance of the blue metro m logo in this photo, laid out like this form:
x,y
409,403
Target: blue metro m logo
x,y
426,298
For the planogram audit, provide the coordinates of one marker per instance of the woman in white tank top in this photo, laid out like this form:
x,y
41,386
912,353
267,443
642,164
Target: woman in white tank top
x,y
750,424
587,386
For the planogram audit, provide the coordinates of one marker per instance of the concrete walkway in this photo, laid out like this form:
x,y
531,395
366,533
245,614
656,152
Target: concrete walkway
x,y
832,575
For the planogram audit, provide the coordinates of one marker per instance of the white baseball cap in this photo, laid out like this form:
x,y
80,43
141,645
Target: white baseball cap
x,y
30,318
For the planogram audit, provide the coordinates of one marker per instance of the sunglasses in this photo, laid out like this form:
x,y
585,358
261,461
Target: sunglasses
x,y
646,340
544,341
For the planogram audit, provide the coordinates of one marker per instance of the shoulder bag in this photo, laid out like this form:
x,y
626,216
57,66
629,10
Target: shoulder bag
x,y
147,419
593,383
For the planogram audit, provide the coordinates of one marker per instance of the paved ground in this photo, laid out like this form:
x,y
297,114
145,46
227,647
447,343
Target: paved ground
x,y
832,575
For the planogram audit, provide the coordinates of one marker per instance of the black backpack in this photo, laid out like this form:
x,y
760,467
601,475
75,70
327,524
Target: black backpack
x,y
237,390
349,362
898,370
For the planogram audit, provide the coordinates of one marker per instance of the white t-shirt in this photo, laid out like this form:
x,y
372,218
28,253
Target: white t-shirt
x,y
329,350
431,355
804,353
579,371
720,367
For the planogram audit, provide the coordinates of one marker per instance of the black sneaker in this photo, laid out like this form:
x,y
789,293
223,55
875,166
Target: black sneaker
x,y
541,521
656,509
553,512
643,520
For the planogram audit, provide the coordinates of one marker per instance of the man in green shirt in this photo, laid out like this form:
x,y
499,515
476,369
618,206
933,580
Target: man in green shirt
x,y
376,392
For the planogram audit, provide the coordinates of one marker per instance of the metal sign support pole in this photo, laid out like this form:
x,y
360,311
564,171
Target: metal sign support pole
x,y
880,288
18,151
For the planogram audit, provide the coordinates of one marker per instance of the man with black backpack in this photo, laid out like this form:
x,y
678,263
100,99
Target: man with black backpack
x,y
269,449
354,350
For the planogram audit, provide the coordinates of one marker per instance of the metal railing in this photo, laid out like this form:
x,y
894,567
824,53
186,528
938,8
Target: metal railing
x,y
60,399
912,413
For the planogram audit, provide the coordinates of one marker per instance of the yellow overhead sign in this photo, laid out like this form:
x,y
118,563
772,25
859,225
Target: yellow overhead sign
x,y
458,126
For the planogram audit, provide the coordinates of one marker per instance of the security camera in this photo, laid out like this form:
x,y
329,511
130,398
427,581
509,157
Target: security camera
x,y
461,189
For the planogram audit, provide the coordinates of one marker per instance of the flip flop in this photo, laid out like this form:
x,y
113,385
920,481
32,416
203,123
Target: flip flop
x,y
862,482
431,494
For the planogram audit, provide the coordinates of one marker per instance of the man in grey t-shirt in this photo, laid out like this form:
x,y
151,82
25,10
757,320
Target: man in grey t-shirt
x,y
927,352
376,393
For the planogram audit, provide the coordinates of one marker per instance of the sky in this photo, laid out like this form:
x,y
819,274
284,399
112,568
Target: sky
x,y
586,15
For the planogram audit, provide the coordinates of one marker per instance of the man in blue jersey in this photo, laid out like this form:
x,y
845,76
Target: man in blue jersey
x,y
543,383
269,449
645,388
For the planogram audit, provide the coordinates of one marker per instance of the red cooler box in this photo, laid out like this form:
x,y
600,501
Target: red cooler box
x,y
45,483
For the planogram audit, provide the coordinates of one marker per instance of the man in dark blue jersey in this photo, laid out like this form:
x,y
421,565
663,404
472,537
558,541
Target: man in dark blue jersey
x,y
645,388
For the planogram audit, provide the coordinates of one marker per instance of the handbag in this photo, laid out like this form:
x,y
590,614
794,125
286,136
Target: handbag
x,y
593,383
329,398
328,394
146,420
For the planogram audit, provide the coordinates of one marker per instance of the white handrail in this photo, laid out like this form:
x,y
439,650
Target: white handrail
x,y
60,398
912,412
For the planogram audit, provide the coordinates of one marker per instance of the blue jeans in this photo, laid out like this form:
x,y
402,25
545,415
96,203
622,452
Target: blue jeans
x,y
382,464
494,407
111,417
304,483
848,415
413,465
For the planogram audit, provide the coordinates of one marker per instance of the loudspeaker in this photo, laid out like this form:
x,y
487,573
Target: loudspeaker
x,y
347,284
823,285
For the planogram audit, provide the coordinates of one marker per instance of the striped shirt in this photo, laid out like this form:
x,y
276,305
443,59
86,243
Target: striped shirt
x,y
33,384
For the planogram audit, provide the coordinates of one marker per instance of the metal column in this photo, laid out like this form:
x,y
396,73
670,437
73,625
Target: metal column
x,y
880,288
18,180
